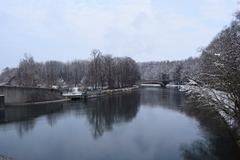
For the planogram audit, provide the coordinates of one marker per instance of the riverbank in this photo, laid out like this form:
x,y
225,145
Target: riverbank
x,y
113,91
68,97
106,92
218,101
99,93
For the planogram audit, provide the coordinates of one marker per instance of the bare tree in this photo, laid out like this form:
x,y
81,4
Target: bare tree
x,y
220,68
27,74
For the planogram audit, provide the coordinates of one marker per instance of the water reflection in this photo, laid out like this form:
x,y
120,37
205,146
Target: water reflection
x,y
23,127
151,123
105,112
25,116
218,142
198,150
20,113
166,97
102,113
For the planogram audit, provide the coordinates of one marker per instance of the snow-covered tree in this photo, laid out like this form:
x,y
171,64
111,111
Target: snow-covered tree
x,y
220,67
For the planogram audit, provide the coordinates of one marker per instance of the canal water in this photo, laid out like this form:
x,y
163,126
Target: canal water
x,y
148,124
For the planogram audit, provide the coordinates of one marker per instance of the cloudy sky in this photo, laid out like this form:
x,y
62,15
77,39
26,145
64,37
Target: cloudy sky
x,y
142,29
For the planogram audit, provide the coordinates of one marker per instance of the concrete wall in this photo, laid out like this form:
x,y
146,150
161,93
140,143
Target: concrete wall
x,y
20,95
2,102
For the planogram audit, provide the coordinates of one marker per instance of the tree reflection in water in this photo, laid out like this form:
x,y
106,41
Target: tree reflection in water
x,y
218,141
105,112
198,150
24,127
166,97
102,113
24,116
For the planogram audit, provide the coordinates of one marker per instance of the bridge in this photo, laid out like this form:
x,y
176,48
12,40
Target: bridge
x,y
158,82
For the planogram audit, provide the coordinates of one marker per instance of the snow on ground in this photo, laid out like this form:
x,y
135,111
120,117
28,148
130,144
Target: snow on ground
x,y
150,85
75,91
216,98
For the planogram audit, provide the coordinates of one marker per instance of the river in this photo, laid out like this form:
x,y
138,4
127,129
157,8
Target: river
x,y
147,124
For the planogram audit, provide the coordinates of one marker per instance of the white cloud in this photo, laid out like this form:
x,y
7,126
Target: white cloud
x,y
218,10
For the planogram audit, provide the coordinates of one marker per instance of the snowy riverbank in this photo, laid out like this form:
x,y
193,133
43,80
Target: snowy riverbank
x,y
105,92
218,100
76,94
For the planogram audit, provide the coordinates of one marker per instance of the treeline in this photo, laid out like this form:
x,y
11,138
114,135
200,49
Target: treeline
x,y
51,73
178,72
99,72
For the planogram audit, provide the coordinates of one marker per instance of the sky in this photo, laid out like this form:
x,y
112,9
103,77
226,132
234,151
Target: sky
x,y
146,30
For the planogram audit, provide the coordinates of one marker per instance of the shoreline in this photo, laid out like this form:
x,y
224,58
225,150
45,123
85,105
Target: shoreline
x,y
113,91
100,93
204,95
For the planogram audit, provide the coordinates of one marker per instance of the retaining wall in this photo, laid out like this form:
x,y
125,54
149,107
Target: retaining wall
x,y
21,95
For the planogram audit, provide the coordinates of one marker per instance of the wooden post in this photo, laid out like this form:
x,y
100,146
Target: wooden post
x,y
2,101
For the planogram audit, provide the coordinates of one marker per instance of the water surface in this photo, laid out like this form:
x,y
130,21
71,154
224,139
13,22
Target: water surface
x,y
149,124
